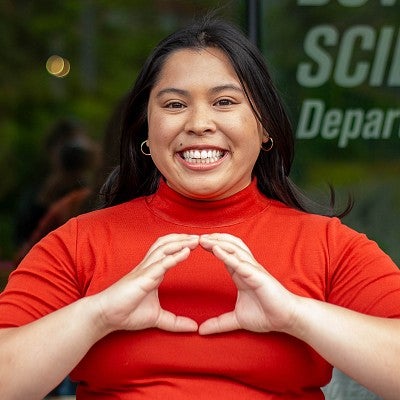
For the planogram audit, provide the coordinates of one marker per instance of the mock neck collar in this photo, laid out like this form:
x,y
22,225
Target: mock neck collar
x,y
178,209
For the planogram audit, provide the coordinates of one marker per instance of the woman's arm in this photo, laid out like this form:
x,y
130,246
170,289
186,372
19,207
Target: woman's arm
x,y
364,347
35,357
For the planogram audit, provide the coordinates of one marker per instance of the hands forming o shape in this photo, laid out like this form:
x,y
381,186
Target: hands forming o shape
x,y
132,303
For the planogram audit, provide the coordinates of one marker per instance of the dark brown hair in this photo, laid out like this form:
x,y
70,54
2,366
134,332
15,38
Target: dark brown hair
x,y
137,175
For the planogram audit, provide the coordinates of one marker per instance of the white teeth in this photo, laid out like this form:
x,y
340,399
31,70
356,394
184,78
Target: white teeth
x,y
202,156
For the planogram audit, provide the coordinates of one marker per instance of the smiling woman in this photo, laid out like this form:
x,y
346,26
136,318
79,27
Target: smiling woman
x,y
197,108
205,275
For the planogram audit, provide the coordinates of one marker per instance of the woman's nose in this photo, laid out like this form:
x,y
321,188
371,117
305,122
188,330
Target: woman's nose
x,y
200,121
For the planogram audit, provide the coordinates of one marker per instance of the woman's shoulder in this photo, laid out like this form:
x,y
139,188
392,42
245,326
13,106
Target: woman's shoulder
x,y
283,210
119,211
312,224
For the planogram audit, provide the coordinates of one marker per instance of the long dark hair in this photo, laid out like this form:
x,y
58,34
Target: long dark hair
x,y
137,175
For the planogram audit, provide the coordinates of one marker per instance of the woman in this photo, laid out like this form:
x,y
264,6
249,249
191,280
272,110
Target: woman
x,y
205,277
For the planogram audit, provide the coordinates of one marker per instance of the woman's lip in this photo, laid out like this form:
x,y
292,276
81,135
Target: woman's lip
x,y
201,166
201,147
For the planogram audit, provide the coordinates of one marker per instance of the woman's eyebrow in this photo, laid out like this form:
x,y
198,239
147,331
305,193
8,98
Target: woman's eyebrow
x,y
172,90
221,88
214,90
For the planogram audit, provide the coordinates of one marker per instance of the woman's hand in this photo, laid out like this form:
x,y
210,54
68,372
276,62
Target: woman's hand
x,y
262,304
132,303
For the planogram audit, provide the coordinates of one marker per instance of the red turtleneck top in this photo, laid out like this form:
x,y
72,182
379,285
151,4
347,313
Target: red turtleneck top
x,y
311,255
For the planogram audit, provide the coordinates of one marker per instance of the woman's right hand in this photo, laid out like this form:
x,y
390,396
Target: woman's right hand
x,y
132,303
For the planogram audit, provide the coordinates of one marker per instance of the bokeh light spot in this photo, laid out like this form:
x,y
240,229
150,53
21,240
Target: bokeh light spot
x,y
58,66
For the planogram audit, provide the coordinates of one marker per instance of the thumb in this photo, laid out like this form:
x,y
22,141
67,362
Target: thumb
x,y
168,321
224,323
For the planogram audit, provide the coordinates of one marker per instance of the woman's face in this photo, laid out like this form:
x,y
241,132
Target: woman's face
x,y
203,135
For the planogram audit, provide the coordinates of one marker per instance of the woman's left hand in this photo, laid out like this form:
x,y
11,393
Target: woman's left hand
x,y
262,304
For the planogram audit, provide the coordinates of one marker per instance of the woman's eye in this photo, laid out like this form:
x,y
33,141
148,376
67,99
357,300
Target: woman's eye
x,y
224,102
174,104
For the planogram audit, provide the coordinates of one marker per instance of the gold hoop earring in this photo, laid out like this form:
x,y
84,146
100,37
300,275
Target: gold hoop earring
x,y
270,146
141,148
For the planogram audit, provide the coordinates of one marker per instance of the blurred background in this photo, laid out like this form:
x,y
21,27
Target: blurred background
x,y
65,66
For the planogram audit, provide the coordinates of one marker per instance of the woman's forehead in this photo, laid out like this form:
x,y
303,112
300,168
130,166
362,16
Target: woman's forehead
x,y
201,66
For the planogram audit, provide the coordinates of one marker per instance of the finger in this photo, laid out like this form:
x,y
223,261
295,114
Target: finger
x,y
241,253
224,323
225,237
230,243
155,271
168,246
229,254
244,266
166,241
173,237
168,321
